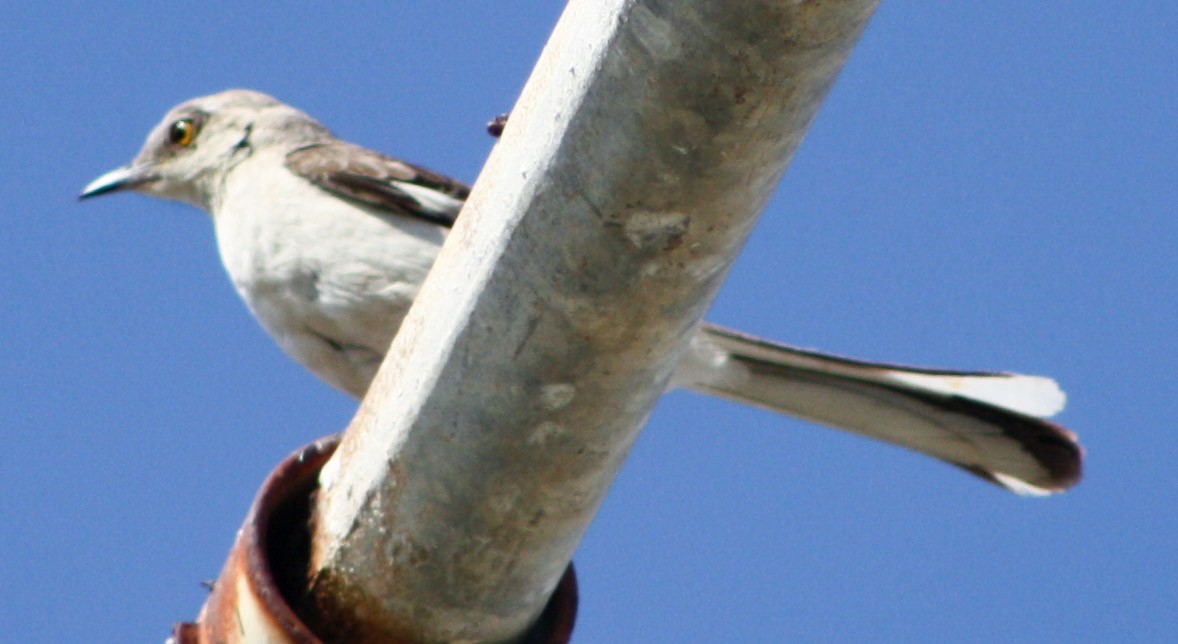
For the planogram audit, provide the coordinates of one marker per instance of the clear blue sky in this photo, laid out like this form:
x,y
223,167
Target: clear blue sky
x,y
987,186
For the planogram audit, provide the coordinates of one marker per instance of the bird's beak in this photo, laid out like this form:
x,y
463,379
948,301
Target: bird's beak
x,y
124,178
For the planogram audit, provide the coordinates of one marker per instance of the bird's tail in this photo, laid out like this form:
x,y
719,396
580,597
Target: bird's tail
x,y
989,424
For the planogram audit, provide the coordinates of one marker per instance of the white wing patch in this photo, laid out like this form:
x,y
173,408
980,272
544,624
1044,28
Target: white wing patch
x,y
430,199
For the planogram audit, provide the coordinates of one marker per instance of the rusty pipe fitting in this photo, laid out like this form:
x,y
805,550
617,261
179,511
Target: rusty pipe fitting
x,y
257,596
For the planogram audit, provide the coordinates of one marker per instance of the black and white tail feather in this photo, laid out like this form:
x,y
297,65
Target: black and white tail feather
x,y
989,424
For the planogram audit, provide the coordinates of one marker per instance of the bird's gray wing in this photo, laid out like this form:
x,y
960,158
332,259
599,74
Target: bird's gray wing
x,y
378,180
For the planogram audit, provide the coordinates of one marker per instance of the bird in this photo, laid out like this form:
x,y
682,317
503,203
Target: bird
x,y
328,242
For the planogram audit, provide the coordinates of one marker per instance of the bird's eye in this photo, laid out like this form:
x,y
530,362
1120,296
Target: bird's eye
x,y
182,132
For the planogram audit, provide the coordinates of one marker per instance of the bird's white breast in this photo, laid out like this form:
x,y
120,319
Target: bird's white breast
x,y
328,278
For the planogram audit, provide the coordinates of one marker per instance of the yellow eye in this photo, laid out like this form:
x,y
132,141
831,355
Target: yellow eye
x,y
182,132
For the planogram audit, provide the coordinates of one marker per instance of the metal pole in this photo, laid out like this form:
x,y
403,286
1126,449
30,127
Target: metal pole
x,y
646,142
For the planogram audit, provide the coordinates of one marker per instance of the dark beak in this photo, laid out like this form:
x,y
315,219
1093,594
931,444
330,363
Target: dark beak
x,y
125,178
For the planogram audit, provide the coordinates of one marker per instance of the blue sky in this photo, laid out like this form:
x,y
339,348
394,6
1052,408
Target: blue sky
x,y
986,187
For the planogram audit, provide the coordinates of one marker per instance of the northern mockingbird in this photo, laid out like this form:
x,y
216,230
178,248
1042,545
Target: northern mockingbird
x,y
327,242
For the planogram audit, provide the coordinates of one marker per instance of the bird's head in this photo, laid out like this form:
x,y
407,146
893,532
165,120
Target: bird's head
x,y
189,152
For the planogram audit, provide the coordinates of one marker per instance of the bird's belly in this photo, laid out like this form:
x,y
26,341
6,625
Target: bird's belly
x,y
336,318
341,337
331,289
